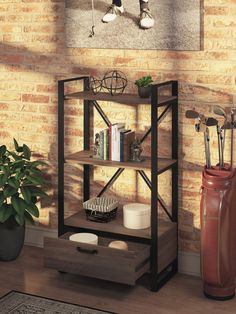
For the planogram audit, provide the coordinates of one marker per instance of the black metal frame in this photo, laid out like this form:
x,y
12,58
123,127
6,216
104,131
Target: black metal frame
x,y
158,279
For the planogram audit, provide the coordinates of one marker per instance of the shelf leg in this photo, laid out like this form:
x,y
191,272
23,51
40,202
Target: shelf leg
x,y
154,188
60,197
87,126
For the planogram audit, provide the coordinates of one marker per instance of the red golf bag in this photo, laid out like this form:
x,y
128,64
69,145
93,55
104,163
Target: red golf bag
x,y
218,233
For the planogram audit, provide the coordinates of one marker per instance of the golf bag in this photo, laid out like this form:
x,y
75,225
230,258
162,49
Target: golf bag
x,y
218,232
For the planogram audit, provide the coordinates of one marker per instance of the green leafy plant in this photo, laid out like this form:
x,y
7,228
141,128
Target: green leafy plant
x,y
21,183
144,81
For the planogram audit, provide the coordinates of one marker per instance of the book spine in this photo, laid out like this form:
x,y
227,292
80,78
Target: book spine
x,y
110,142
102,145
114,142
106,147
128,140
116,145
121,146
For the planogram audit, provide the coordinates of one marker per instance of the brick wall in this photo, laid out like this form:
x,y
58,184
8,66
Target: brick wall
x,y
33,56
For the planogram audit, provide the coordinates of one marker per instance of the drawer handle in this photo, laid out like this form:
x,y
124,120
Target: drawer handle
x,y
81,250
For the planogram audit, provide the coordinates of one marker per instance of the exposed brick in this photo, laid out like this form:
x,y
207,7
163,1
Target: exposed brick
x,y
35,98
34,56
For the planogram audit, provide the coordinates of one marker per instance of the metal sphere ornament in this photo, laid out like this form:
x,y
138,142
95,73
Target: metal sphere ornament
x,y
115,82
95,84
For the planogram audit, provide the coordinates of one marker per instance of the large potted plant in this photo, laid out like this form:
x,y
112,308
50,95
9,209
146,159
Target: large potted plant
x,y
144,86
21,183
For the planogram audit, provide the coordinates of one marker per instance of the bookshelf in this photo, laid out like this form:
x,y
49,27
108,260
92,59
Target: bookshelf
x,y
155,249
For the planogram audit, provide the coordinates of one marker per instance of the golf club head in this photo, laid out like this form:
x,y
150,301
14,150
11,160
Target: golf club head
x,y
211,122
191,114
219,111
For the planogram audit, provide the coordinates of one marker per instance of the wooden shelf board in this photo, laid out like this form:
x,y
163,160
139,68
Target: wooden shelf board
x,y
85,157
116,226
131,99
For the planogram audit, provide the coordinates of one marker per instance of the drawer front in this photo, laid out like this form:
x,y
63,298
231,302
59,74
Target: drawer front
x,y
96,260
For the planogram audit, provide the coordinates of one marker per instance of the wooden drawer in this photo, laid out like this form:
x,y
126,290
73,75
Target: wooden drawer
x,y
98,261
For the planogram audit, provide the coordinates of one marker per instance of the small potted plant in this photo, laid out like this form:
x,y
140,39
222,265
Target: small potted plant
x,y
21,183
144,86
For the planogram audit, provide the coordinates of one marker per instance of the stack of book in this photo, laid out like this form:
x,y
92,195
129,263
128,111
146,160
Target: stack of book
x,y
115,142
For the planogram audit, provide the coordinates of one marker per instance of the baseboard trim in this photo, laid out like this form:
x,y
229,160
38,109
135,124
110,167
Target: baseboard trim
x,y
34,235
189,263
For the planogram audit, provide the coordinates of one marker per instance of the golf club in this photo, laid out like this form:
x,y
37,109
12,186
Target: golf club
x,y
231,125
221,139
202,126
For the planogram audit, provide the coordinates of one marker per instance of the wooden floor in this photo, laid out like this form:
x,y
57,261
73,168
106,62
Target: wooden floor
x,y
183,294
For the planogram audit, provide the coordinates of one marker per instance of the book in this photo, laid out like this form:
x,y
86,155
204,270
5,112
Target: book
x,y
118,127
122,133
106,144
128,139
111,140
101,144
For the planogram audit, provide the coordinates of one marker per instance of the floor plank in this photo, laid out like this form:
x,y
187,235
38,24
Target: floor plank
x,y
183,294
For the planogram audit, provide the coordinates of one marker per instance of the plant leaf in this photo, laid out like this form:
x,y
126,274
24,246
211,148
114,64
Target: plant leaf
x,y
3,179
27,152
26,194
18,164
34,199
19,175
33,210
9,191
37,163
15,156
19,204
14,183
1,198
35,172
36,180
35,191
6,170
15,144
20,219
6,211
3,150
29,218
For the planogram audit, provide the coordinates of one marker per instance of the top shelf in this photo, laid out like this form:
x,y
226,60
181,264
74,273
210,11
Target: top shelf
x,y
130,99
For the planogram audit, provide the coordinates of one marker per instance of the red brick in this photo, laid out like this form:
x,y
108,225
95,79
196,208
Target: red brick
x,y
35,98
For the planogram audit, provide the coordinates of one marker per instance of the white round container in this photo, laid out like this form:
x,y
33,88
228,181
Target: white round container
x,y
84,238
137,216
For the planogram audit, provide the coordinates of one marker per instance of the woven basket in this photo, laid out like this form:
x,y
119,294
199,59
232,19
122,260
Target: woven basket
x,y
101,209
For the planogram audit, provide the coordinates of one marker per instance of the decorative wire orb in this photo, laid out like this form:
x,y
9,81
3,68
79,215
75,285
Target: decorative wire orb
x,y
95,84
115,82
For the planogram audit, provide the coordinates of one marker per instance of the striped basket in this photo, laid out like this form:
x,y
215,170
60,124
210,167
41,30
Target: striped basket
x,y
101,209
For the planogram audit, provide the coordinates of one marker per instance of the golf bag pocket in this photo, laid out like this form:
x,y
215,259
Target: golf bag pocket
x,y
217,227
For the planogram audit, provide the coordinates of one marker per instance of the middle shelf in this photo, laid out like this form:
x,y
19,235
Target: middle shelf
x,y
86,158
115,226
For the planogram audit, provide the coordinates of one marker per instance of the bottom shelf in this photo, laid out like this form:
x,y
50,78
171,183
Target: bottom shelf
x,y
98,261
103,262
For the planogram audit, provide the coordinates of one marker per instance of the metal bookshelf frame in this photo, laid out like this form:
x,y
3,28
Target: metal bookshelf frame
x,y
157,279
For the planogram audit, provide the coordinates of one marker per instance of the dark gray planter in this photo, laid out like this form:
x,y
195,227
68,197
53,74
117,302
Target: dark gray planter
x,y
11,240
144,92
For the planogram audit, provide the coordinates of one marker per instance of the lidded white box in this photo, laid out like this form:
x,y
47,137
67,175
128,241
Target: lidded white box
x,y
137,216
